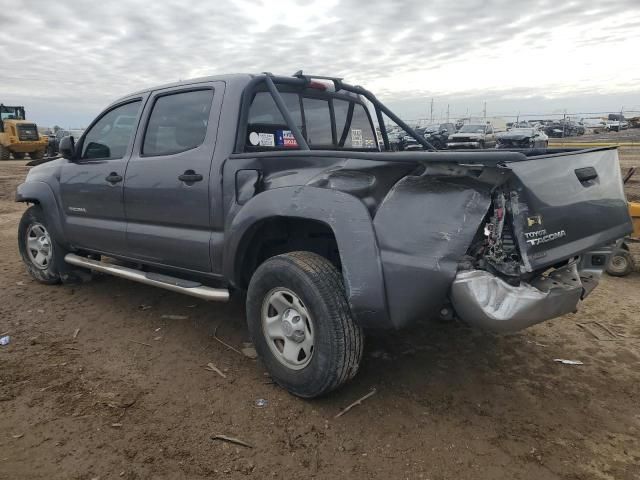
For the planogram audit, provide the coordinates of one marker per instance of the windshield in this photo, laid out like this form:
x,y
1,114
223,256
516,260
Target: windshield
x,y
13,113
432,128
472,129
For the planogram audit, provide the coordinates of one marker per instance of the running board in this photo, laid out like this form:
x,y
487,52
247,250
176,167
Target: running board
x,y
179,285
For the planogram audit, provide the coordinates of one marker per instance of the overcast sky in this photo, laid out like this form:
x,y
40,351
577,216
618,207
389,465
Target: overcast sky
x,y
65,60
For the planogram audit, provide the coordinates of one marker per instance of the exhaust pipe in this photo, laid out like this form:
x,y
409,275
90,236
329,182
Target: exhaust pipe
x,y
187,287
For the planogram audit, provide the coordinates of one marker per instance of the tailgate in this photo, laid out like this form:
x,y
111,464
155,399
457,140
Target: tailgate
x,y
566,204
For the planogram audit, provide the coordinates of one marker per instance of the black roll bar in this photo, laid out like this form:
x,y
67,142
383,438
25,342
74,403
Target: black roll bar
x,y
301,80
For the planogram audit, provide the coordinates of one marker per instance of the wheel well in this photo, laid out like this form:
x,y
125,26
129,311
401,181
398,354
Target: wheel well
x,y
279,235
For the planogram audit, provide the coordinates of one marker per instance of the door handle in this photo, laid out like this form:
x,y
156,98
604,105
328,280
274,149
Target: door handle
x,y
189,176
113,178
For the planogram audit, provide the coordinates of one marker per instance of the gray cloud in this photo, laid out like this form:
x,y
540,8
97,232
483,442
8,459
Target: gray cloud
x,y
65,60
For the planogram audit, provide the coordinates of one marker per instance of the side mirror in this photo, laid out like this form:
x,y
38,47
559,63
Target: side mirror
x,y
67,148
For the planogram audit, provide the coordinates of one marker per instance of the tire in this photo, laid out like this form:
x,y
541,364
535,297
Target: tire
x,y
621,263
311,287
37,155
18,156
4,153
34,225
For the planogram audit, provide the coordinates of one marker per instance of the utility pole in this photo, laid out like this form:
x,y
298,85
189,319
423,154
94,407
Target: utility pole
x,y
447,113
431,112
484,111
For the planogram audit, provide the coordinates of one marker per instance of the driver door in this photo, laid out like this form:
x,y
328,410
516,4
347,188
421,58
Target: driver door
x,y
91,187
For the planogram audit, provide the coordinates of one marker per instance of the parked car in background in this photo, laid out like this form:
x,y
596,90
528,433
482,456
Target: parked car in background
x,y
473,135
437,135
594,125
617,125
522,138
54,139
564,128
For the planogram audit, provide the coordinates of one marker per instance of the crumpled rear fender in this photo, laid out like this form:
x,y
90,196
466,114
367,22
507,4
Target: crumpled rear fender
x,y
424,228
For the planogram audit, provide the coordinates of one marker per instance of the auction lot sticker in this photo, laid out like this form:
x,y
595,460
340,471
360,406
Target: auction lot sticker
x,y
356,138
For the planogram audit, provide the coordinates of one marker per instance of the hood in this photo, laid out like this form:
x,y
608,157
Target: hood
x,y
517,137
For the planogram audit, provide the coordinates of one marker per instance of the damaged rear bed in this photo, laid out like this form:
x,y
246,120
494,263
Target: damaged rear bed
x,y
509,243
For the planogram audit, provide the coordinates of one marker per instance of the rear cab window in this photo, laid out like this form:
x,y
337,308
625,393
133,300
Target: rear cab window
x,y
327,120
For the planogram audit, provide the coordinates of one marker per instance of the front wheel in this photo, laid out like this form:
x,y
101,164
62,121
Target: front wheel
x,y
41,253
5,154
301,324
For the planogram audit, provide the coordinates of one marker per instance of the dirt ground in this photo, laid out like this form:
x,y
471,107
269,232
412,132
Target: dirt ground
x,y
129,396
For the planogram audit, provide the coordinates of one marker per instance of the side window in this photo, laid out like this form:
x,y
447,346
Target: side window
x,y
110,136
356,133
178,122
317,122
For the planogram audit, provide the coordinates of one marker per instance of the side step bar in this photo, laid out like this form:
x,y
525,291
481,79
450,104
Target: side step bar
x,y
187,287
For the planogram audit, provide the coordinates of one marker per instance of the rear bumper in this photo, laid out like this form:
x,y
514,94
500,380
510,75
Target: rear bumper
x,y
486,301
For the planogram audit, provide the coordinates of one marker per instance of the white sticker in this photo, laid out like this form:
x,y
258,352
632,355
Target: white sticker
x,y
254,139
267,140
356,138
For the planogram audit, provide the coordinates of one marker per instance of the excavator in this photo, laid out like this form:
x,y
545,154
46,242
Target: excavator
x,y
18,136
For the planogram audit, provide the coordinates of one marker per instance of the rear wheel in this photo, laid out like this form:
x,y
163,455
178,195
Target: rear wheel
x,y
621,263
37,155
4,153
18,155
301,324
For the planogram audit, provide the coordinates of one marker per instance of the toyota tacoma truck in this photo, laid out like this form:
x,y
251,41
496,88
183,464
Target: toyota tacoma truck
x,y
279,189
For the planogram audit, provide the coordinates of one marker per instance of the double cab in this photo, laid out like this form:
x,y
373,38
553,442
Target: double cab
x,y
285,189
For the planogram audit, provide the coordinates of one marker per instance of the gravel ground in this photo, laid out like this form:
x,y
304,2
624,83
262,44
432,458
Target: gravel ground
x,y
129,396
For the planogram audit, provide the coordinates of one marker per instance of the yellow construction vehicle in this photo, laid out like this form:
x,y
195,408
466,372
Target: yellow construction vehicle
x,y
624,258
18,136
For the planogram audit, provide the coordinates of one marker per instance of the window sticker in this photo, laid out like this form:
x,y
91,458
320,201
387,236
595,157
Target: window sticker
x,y
254,139
285,138
356,138
267,140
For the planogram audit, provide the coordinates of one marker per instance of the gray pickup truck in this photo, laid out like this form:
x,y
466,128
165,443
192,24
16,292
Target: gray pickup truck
x,y
286,188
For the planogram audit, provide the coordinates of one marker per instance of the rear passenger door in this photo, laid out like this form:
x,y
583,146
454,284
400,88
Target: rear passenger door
x,y
167,192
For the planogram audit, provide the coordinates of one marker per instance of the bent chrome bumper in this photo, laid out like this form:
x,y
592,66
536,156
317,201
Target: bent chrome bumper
x,y
486,301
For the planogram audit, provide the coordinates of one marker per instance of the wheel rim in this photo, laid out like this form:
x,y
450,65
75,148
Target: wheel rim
x,y
39,246
287,328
